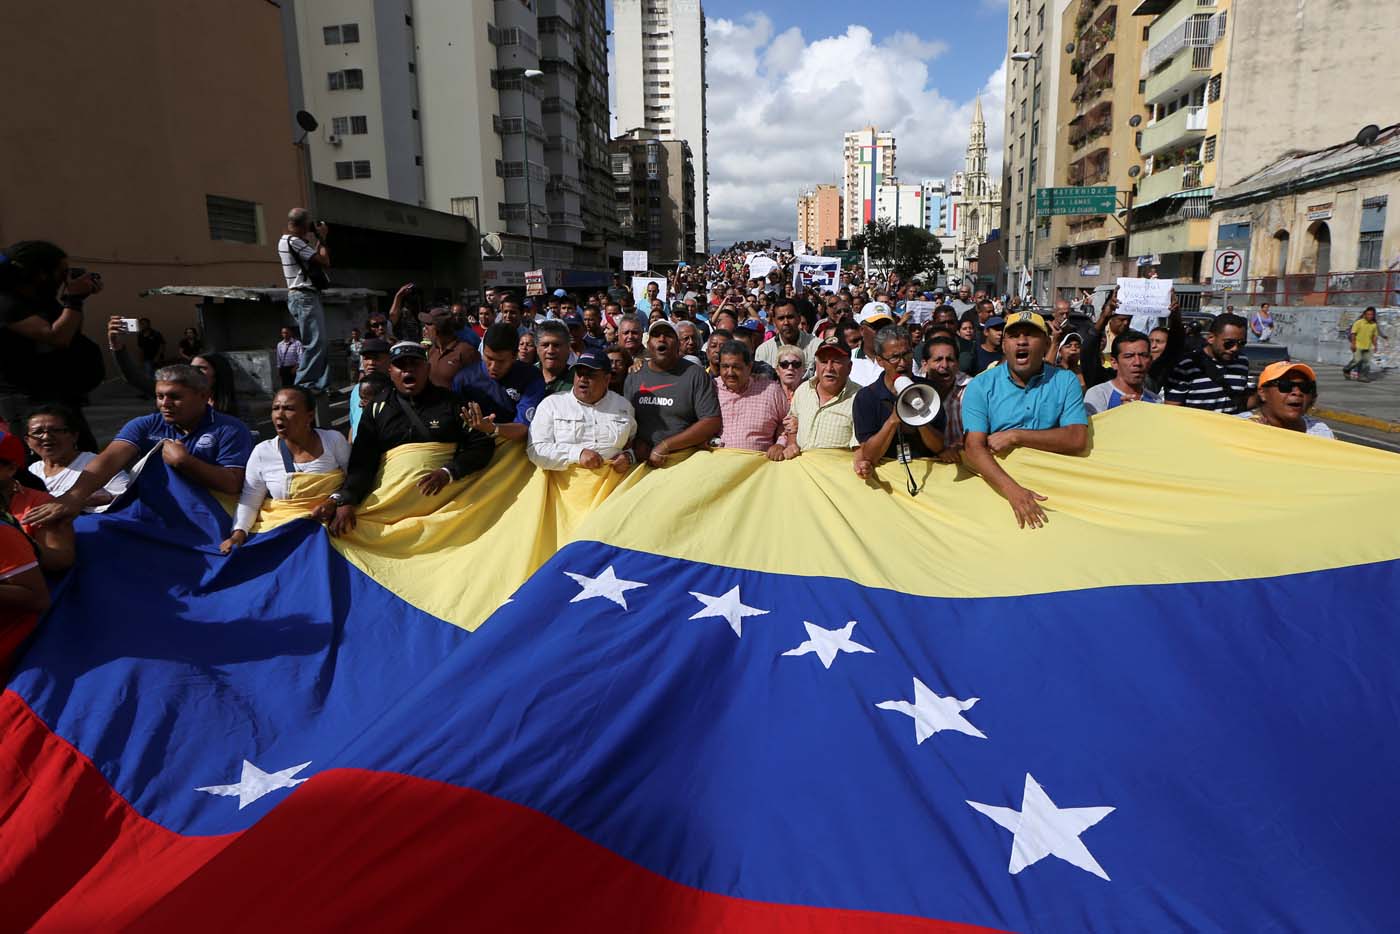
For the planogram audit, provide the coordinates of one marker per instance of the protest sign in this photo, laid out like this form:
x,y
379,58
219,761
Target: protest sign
x,y
817,272
534,282
634,260
640,283
920,312
1146,300
760,266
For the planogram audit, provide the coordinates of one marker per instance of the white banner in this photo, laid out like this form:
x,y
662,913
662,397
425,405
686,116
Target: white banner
x,y
634,260
1147,300
760,266
799,247
817,272
920,312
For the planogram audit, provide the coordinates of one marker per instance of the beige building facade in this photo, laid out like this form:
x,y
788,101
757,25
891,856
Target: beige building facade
x,y
819,217
159,152
868,158
1096,139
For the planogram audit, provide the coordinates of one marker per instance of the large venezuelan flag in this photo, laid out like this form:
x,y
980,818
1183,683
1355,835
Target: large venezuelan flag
x,y
734,695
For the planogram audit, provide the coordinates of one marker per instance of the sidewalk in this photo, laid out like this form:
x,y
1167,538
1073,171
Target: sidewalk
x,y
1374,405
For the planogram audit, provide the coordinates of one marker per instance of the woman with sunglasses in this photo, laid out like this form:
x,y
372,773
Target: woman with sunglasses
x,y
52,435
1286,392
792,368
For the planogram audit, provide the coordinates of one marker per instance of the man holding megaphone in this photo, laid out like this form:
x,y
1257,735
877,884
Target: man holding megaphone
x,y
899,414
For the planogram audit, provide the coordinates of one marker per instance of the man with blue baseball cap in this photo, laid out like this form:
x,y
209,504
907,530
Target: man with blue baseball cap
x,y
988,352
590,426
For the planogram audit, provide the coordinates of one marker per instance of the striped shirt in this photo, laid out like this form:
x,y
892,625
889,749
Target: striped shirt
x,y
753,419
1198,381
288,249
829,424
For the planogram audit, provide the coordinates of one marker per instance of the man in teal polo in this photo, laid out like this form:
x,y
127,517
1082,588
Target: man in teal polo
x,y
1023,402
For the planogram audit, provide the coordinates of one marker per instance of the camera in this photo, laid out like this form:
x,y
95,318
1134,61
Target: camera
x,y
131,325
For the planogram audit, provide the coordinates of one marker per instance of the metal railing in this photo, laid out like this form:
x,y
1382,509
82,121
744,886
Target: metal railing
x,y
1352,289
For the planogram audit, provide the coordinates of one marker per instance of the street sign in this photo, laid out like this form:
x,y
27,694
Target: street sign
x,y
1229,268
1099,199
534,282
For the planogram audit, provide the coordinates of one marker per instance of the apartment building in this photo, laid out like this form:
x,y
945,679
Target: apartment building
x,y
868,158
819,217
654,195
901,205
660,49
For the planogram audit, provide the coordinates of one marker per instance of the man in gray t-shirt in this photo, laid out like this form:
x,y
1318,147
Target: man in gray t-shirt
x,y
675,400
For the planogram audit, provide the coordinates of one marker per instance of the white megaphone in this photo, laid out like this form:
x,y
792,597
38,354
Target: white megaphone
x,y
916,403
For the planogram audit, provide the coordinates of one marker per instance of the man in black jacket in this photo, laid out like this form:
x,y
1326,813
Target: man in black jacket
x,y
415,411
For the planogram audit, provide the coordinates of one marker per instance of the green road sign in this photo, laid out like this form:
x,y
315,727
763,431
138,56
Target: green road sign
x,y
1101,199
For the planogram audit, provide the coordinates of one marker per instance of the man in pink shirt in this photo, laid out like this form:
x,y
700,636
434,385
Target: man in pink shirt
x,y
752,408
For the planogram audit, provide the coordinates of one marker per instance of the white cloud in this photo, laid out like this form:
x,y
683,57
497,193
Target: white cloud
x,y
779,105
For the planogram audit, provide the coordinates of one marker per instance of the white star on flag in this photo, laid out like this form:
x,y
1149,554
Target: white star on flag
x,y
1041,829
607,585
728,607
828,643
254,783
933,714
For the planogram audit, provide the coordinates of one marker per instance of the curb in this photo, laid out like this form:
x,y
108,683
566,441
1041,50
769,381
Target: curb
x,y
1361,421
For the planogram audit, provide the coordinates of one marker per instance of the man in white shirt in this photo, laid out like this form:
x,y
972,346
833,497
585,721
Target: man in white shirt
x,y
589,425
864,369
289,351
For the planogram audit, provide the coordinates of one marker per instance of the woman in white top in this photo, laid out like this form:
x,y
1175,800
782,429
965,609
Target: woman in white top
x,y
53,437
299,447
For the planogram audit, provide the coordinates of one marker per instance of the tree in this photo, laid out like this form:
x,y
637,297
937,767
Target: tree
x,y
905,250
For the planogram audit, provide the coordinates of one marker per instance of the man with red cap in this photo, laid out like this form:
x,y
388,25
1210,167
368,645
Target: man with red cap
x,y
821,407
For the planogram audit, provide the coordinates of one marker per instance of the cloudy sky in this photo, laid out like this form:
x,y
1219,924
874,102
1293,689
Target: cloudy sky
x,y
787,79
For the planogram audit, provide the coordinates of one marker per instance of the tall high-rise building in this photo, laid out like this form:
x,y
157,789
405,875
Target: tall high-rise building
x,y
819,217
1028,161
654,189
426,102
659,48
978,205
869,159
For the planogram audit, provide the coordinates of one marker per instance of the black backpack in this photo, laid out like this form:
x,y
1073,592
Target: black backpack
x,y
315,273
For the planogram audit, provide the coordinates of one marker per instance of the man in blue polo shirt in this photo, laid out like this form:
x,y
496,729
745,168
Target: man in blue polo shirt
x,y
207,447
500,393
1024,402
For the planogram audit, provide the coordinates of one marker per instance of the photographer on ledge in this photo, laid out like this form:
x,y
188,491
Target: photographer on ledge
x,y
304,266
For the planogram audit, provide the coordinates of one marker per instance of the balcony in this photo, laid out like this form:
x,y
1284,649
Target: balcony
x,y
1186,125
1187,70
1165,182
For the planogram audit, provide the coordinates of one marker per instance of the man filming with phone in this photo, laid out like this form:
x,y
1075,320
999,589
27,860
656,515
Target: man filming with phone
x,y
304,264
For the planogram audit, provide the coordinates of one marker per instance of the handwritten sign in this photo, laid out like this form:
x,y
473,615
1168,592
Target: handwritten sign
x,y
1147,300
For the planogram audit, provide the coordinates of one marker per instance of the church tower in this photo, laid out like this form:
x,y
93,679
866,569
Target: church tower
x,y
976,167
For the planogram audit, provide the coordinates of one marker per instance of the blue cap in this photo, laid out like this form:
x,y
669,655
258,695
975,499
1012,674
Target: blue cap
x,y
592,360
560,293
995,321
750,324
573,319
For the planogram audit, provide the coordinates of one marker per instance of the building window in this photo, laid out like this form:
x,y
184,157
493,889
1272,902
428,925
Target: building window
x,y
1208,150
335,35
1372,230
1213,94
412,68
408,19
417,160
359,125
414,113
344,171
340,126
233,219
362,168
351,79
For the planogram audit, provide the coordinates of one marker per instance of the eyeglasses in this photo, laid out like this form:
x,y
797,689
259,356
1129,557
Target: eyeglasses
x,y
1286,386
39,433
1232,343
789,364
897,358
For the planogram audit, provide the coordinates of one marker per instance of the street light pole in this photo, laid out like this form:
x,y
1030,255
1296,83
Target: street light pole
x,y
526,75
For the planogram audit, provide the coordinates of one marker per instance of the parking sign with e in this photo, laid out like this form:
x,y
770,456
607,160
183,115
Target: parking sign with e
x,y
1229,267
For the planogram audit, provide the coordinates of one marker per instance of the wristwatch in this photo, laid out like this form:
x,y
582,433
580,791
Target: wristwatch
x,y
338,498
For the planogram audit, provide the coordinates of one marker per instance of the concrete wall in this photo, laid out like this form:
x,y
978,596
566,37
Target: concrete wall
x,y
116,132
1305,75
1321,334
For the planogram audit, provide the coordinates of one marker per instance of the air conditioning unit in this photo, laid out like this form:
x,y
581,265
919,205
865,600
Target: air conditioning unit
x,y
333,139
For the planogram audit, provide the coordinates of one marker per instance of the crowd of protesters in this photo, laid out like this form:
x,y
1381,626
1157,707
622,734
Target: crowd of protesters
x,y
603,380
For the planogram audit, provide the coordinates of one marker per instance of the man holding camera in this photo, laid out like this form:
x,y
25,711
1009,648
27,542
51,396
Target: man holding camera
x,y
304,265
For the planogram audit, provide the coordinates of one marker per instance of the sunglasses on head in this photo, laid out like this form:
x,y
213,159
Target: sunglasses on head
x,y
1287,385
